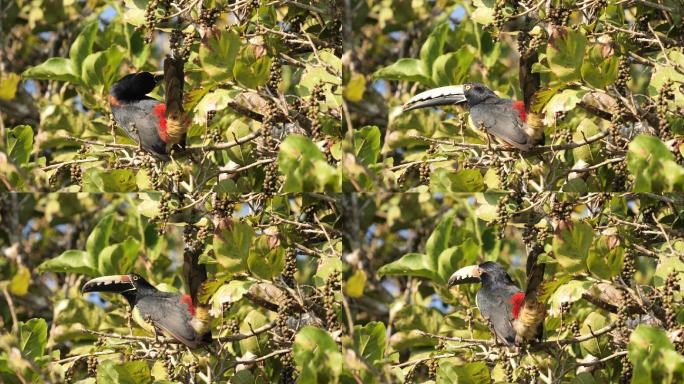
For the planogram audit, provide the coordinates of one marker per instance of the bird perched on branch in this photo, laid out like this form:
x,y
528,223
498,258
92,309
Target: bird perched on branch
x,y
154,125
171,313
515,316
506,120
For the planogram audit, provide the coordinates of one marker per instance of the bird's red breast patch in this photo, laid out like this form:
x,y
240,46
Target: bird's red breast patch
x,y
517,301
520,106
188,300
159,110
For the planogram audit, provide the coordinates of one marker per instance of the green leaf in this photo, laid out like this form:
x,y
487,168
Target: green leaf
x,y
466,180
83,45
99,237
317,356
405,69
73,261
356,284
118,258
114,180
369,342
266,260
232,247
571,246
54,68
99,69
653,166
33,338
565,53
20,281
305,167
20,143
605,258
132,372
434,45
654,357
411,264
367,144
470,373
569,292
218,54
599,71
452,68
457,256
439,238
355,87
8,85
249,71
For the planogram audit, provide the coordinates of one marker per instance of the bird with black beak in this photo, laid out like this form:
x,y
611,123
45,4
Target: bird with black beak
x,y
505,120
171,313
515,316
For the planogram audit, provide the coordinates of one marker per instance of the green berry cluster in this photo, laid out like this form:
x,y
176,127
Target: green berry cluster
x,y
223,208
208,16
624,75
626,371
287,375
665,94
270,178
432,369
290,268
267,126
274,77
628,267
314,109
671,286
164,211
332,284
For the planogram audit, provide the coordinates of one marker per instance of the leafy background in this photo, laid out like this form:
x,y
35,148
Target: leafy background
x,y
257,74
610,73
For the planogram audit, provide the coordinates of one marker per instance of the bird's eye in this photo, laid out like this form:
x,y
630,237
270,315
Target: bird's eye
x,y
467,87
135,277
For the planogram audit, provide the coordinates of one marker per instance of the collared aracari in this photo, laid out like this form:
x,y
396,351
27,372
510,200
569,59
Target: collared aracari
x,y
154,125
506,120
515,316
171,313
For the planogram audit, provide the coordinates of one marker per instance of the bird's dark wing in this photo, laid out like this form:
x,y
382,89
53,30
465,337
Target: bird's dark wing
x,y
140,116
501,120
170,315
497,308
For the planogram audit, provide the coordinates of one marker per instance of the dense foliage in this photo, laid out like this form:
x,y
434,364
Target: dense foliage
x,y
261,89
610,94
613,286
273,288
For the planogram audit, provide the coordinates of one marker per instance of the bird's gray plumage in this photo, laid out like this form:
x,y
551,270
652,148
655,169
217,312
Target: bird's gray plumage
x,y
165,312
501,120
136,117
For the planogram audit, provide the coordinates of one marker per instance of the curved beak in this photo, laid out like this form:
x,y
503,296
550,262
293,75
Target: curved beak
x,y
451,95
115,283
465,275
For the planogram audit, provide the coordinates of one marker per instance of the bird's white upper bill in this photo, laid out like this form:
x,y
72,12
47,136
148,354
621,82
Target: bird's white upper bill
x,y
453,94
469,274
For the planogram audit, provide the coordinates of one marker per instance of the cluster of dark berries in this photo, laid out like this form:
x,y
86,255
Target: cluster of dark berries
x,y
628,267
502,213
671,286
499,17
624,75
314,109
401,180
164,211
621,175
290,268
664,95
561,210
267,126
559,15
270,178
287,376
181,43
208,16
92,365
432,369
223,208
76,174
332,284
150,19
247,10
575,328
535,238
274,77
191,239
285,309
626,372
425,173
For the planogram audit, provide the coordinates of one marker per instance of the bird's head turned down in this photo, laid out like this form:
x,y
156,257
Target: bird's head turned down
x,y
476,93
134,86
